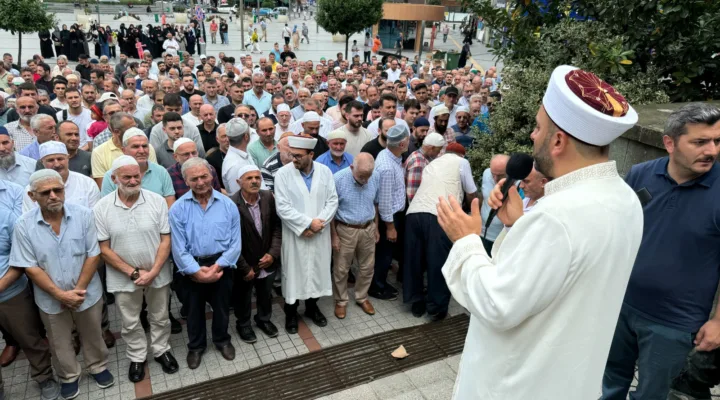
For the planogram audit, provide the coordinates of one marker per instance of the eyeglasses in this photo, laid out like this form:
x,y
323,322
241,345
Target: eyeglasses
x,y
298,156
243,116
46,193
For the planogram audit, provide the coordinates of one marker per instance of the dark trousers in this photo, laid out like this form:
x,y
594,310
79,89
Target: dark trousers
x,y
242,299
287,40
386,250
217,294
310,305
426,248
700,374
366,57
658,351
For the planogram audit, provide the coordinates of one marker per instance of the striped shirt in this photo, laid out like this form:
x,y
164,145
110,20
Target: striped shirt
x,y
268,170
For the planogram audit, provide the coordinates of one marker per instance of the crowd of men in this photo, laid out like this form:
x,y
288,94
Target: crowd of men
x,y
122,183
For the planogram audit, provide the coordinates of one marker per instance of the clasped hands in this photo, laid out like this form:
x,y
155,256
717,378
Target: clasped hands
x,y
316,226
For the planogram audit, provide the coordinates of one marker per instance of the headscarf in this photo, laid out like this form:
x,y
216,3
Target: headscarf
x,y
294,29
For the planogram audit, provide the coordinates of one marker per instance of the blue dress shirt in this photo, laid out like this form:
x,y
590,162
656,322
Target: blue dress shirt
x,y
392,184
261,104
11,197
201,233
308,178
7,222
327,160
32,150
356,203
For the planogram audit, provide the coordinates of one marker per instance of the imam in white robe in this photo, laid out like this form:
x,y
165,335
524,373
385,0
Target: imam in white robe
x,y
544,308
305,261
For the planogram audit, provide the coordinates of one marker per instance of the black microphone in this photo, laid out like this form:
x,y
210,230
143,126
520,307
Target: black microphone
x,y
518,168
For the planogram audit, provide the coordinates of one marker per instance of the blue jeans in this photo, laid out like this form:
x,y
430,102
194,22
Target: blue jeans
x,y
225,38
658,350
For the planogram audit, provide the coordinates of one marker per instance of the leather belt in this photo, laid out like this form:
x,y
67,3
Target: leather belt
x,y
207,260
354,226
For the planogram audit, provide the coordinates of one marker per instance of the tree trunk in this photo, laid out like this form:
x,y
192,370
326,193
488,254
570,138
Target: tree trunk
x,y
20,48
347,39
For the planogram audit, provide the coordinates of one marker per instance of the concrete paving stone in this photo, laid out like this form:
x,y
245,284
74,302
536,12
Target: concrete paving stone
x,y
127,396
254,362
392,385
440,390
267,359
362,392
127,387
99,394
115,389
411,395
430,373
454,362
172,384
215,373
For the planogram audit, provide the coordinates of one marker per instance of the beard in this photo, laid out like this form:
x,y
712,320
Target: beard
x,y
26,118
7,161
440,129
355,124
129,191
336,153
55,207
543,162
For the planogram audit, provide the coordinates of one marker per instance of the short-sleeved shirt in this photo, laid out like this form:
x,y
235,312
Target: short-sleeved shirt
x,y
7,224
156,179
62,256
677,268
20,172
11,197
260,153
20,136
134,234
103,156
261,104
165,155
219,102
392,184
79,189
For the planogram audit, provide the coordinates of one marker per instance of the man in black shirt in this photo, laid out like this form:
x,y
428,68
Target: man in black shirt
x,y
286,53
375,146
29,90
215,157
224,32
374,113
188,89
78,160
208,126
226,113
84,67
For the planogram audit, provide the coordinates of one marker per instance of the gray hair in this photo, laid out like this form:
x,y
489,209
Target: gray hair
x,y
43,175
193,162
62,57
303,90
37,119
217,130
117,119
693,113
42,93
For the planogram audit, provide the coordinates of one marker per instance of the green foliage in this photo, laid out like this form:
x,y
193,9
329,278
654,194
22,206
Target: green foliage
x,y
24,16
268,3
348,17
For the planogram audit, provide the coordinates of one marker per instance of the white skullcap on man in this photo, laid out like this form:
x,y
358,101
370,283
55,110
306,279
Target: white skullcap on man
x,y
435,140
52,147
123,161
181,142
44,174
462,109
586,107
297,142
247,168
440,110
336,134
311,116
283,108
132,132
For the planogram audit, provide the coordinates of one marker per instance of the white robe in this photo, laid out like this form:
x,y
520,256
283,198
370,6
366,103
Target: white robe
x,y
305,261
544,308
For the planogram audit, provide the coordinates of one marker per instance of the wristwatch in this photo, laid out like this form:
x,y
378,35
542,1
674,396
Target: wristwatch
x,y
135,274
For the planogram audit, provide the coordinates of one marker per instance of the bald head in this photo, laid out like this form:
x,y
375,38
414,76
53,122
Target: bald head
x,y
497,166
362,167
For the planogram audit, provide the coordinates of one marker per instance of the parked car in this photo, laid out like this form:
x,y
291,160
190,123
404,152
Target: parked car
x,y
280,11
267,12
227,10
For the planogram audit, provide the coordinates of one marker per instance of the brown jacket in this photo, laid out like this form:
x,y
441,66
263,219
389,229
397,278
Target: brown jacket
x,y
255,247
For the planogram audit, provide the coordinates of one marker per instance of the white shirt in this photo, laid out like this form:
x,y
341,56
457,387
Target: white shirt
x,y
145,102
79,189
191,119
171,46
234,160
374,126
280,130
82,120
356,141
544,307
134,234
56,104
393,75
326,126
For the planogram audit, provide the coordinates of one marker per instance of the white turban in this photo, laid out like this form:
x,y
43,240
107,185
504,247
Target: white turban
x,y
336,134
434,139
311,116
298,142
283,107
52,147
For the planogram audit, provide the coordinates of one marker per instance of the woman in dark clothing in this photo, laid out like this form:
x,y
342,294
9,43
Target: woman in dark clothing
x,y
159,39
46,44
147,39
57,41
70,44
121,35
102,41
191,39
84,37
464,54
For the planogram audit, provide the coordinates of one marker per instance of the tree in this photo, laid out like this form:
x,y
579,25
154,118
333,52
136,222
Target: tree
x,y
347,17
24,16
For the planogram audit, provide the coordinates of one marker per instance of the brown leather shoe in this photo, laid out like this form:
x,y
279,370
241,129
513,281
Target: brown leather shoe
x,y
227,351
9,355
367,307
340,311
109,339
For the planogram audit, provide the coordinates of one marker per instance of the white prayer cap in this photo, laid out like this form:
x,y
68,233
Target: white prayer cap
x,y
236,127
52,147
123,161
461,109
587,107
434,139
107,96
283,108
202,56
311,116
440,110
132,132
336,134
44,174
248,168
297,142
397,134
181,142
336,69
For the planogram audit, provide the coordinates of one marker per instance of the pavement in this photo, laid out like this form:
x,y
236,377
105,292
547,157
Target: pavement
x,y
321,43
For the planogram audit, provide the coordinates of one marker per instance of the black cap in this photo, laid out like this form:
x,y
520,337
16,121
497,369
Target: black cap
x,y
452,90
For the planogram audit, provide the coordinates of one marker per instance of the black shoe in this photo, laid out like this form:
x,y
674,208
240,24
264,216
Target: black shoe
x,y
385,295
136,373
418,309
351,277
291,324
144,321
438,316
227,351
317,317
168,362
110,299
194,358
391,289
268,328
247,334
175,326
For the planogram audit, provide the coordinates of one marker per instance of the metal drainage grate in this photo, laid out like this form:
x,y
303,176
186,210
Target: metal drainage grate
x,y
335,368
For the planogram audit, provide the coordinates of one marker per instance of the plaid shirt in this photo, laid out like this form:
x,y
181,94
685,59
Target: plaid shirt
x,y
21,136
414,167
392,185
102,137
179,183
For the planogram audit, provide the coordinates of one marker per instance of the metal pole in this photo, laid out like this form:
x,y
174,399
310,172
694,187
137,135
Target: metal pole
x,y
422,40
98,11
242,24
